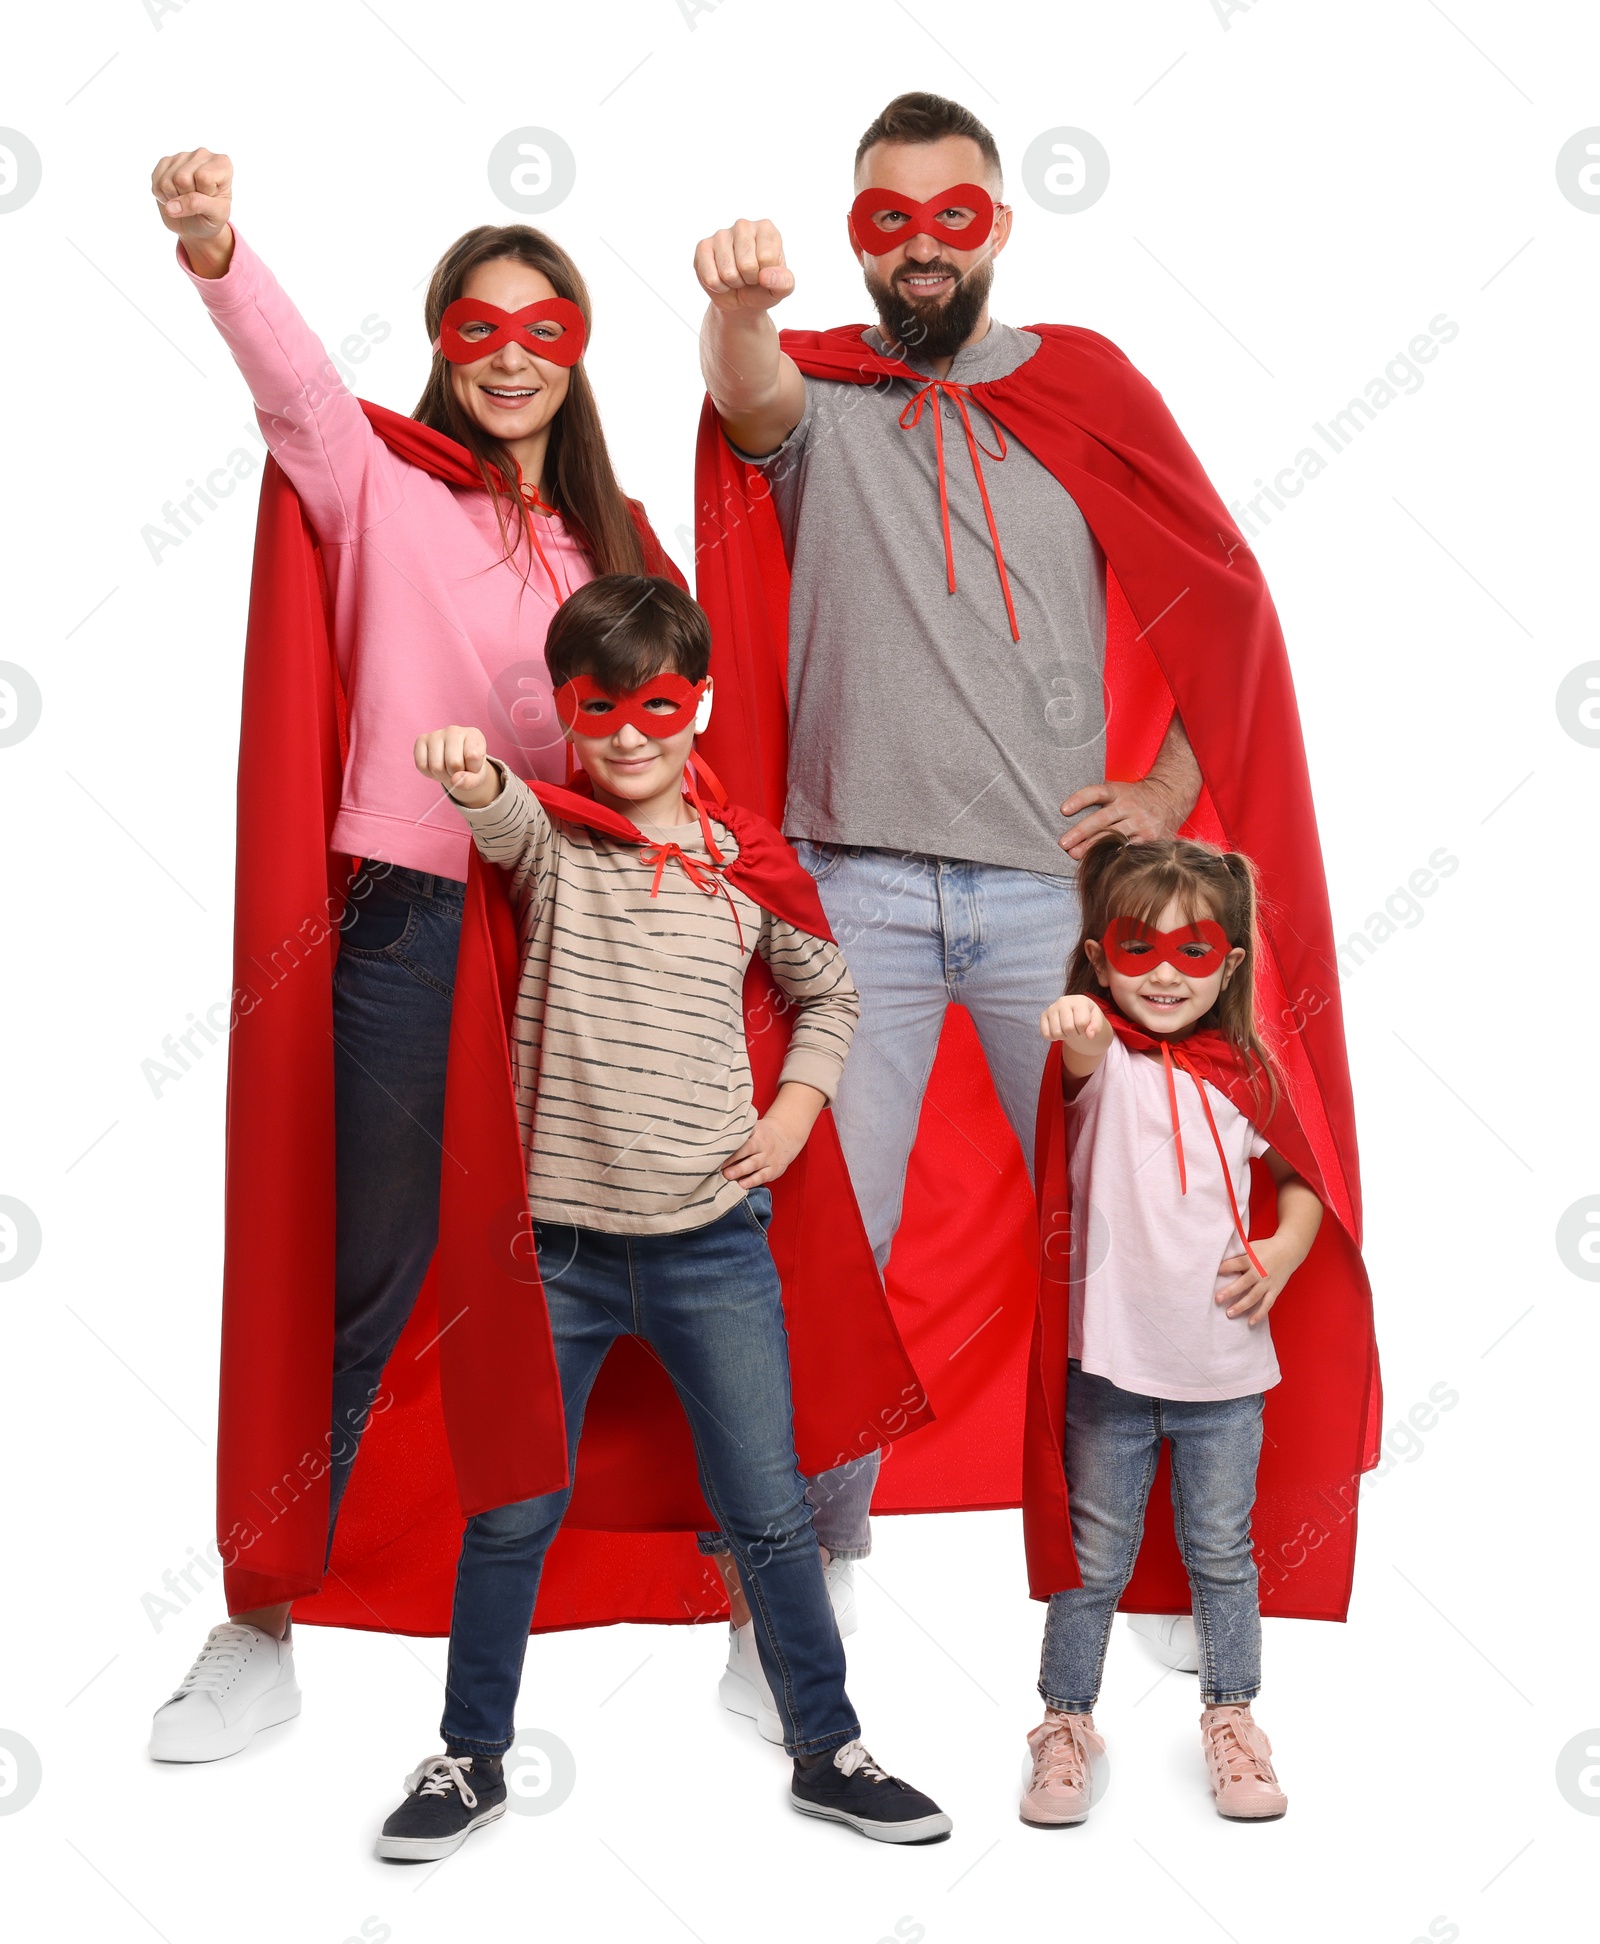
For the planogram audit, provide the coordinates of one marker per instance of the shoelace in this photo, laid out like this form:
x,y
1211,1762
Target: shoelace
x,y
934,391
1235,1755
218,1660
439,1775
1168,1061
1062,1754
853,1757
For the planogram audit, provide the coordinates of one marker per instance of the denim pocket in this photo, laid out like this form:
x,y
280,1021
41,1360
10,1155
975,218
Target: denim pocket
x,y
380,921
819,860
758,1208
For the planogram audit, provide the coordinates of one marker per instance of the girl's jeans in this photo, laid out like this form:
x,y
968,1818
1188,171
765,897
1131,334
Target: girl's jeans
x,y
922,934
1112,1444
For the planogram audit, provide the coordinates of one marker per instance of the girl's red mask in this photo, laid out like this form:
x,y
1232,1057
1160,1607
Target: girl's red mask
x,y
1133,948
588,709
513,327
922,219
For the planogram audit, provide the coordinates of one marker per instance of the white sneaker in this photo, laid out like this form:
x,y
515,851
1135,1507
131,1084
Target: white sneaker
x,y
841,1577
1171,1637
243,1680
743,1688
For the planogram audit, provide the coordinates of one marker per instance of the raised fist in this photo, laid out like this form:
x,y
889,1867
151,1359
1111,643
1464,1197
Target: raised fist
x,y
742,269
194,193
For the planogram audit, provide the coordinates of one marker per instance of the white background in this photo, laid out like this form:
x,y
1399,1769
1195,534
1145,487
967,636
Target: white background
x,y
1296,191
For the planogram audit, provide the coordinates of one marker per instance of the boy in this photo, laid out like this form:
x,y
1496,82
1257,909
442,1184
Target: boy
x,y
647,1168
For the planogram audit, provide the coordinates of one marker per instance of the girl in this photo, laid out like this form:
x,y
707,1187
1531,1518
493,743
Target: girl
x,y
442,548
1166,1080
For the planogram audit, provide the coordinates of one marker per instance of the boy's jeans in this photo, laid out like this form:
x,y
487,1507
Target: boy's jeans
x,y
920,934
1113,1440
708,1303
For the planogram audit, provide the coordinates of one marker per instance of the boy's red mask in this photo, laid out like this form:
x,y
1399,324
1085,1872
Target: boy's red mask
x,y
922,219
513,327
1132,947
588,709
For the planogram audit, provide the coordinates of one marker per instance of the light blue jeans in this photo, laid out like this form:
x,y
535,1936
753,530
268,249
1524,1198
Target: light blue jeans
x,y
1113,1440
920,934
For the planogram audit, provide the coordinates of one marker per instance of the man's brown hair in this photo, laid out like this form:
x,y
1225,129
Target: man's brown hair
x,y
624,628
928,118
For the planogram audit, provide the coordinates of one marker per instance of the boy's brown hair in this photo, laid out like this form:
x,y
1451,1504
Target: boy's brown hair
x,y
623,628
1119,879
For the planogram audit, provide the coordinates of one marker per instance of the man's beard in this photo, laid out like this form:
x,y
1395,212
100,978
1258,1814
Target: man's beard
x,y
937,329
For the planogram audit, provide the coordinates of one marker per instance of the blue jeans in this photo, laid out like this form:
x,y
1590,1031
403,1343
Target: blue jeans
x,y
1113,1441
707,1301
392,990
921,934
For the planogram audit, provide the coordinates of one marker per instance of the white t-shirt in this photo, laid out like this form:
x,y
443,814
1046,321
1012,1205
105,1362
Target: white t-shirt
x,y
1145,1257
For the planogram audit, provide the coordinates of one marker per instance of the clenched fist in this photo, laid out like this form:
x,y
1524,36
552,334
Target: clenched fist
x,y
458,761
742,269
194,193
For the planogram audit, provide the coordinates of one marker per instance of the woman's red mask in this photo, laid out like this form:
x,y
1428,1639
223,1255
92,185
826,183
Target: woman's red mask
x,y
1133,948
588,709
527,327
922,219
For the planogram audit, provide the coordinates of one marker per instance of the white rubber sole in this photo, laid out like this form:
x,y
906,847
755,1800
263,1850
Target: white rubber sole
x,y
278,1704
926,1829
428,1849
739,1696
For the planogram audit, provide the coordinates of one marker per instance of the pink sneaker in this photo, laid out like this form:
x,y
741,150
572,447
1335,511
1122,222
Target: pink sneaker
x,y
1239,1757
1059,1792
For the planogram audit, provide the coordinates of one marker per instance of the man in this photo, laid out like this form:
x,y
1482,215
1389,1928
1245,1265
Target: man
x,y
947,639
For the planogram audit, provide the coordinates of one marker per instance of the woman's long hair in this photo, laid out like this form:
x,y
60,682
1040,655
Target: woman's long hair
x,y
1122,880
578,480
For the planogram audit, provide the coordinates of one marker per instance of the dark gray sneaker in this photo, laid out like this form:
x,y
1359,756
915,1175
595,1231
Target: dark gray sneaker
x,y
447,1797
849,1787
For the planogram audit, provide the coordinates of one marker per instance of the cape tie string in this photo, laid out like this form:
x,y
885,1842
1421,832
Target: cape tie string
x,y
933,392
705,877
1168,1062
532,503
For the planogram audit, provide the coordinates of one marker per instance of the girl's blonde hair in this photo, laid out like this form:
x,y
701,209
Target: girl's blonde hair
x,y
1119,879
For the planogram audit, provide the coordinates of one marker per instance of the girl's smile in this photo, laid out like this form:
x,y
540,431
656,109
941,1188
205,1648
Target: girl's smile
x,y
1163,1000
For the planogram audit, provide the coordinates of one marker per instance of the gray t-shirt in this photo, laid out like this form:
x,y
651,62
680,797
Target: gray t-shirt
x,y
916,722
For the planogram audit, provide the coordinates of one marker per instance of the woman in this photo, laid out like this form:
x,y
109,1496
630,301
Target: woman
x,y
436,559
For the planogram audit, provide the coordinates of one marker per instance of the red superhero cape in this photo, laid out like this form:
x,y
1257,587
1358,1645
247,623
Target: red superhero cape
x,y
399,1531
1183,589
1314,1426
854,1389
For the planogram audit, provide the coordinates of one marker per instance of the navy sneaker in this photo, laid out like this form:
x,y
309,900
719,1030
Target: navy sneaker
x,y
447,1797
848,1786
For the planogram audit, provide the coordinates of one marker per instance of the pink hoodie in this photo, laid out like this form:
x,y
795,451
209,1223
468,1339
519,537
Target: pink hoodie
x,y
431,624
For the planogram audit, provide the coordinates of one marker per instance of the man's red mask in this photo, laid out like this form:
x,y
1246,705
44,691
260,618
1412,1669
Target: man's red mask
x,y
587,709
1133,948
561,347
922,219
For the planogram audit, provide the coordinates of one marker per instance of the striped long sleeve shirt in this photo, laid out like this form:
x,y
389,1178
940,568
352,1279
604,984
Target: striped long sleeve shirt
x,y
628,1046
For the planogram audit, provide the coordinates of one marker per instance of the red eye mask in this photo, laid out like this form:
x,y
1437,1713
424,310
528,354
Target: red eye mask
x,y
587,709
922,219
1134,948
513,327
